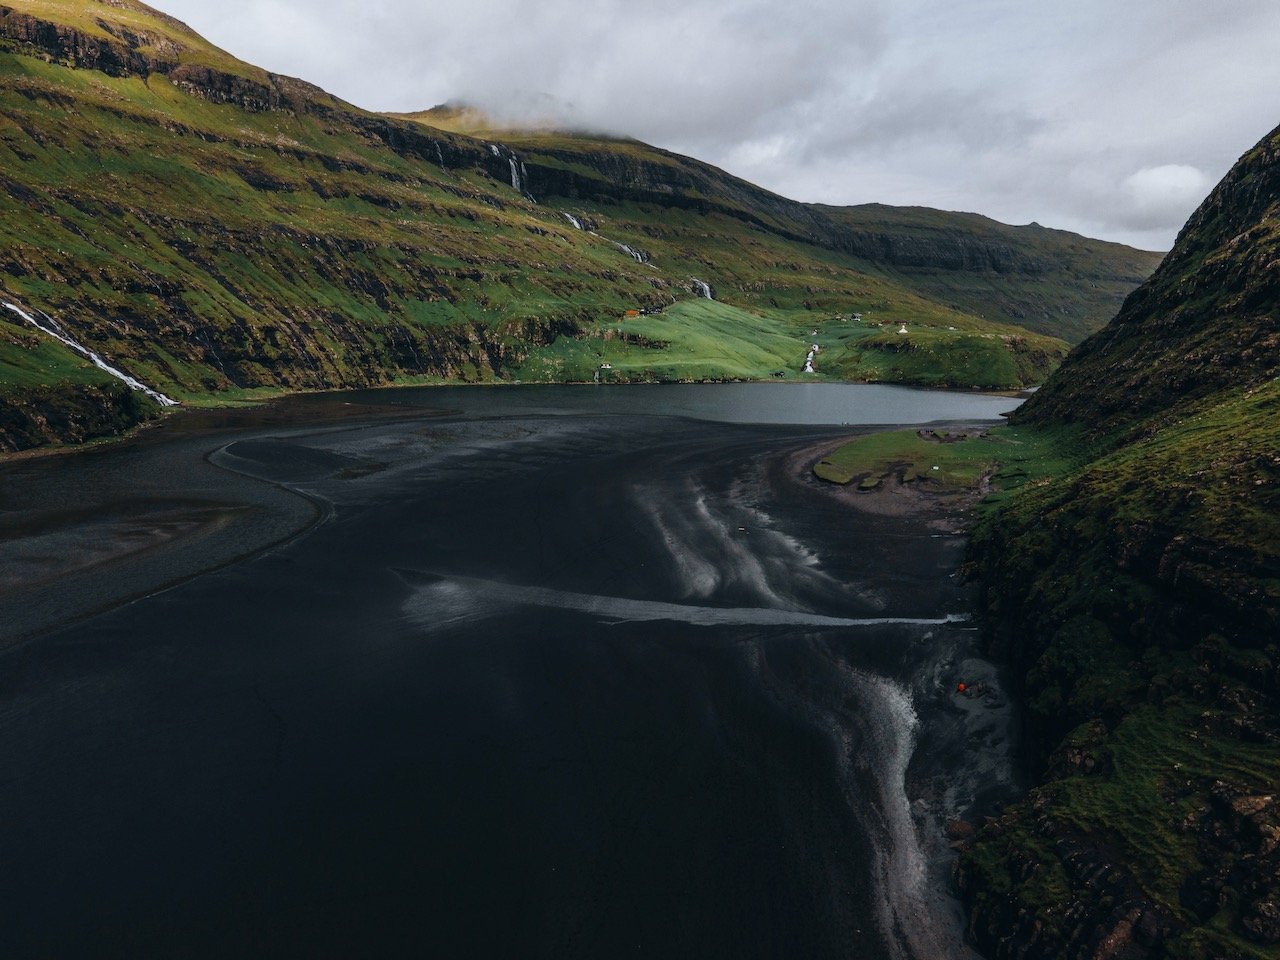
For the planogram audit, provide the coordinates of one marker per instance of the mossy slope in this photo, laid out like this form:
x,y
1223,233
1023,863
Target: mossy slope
x,y
1137,595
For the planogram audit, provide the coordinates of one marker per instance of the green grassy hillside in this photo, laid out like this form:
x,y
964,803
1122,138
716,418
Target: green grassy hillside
x,y
214,229
1048,281
1136,591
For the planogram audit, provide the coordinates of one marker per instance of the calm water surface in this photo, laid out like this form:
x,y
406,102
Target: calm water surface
x,y
812,404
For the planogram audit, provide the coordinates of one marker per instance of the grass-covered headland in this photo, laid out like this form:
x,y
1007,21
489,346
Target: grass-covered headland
x,y
1130,574
1134,588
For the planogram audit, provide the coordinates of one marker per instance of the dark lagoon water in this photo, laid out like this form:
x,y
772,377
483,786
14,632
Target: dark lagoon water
x,y
558,672
764,403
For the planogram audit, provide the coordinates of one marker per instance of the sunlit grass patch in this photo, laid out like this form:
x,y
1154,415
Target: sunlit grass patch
x,y
1009,455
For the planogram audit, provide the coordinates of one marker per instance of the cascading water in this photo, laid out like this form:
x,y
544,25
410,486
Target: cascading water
x,y
519,172
639,256
636,255
52,328
703,289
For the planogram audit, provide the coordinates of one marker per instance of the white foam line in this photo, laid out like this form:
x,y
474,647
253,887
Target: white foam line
x,y
913,915
699,575
97,361
490,592
902,911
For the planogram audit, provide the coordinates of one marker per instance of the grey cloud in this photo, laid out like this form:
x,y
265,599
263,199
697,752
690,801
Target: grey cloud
x,y
1020,110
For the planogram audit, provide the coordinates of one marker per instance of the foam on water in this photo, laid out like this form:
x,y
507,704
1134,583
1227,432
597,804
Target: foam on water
x,y
724,546
445,599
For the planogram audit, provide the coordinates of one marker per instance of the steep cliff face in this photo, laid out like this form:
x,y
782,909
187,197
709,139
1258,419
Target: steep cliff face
x,y
1137,597
64,44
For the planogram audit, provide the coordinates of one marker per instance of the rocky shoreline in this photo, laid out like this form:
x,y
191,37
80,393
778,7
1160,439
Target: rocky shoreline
x,y
39,416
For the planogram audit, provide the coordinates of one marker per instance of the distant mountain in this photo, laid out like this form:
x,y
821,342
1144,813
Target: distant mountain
x,y
218,231
1138,597
1049,281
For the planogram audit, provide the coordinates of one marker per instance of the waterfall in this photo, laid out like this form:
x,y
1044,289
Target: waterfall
x,y
639,256
519,173
55,331
636,255
702,289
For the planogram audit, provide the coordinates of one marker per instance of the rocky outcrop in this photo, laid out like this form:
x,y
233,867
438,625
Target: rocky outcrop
x,y
218,87
116,56
1106,917
1243,832
126,53
39,416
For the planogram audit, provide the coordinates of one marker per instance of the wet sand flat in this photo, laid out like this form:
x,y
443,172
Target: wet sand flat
x,y
537,685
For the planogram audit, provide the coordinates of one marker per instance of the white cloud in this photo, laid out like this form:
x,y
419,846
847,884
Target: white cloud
x,y
1159,194
1090,116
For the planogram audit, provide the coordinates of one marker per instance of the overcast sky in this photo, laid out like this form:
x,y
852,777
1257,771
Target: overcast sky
x,y
1106,117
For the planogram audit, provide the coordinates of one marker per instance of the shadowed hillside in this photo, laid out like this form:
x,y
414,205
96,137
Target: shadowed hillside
x,y
1137,595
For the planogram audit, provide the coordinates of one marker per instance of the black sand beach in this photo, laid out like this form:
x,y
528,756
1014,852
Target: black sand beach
x,y
480,682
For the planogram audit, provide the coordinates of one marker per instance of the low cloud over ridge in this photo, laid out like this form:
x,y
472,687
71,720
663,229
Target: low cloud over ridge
x,y
1112,121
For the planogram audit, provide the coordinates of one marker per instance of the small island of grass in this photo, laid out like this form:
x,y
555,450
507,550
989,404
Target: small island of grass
x,y
946,460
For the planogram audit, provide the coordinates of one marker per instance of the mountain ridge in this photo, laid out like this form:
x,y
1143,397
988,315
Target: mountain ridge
x,y
220,232
1206,320
941,240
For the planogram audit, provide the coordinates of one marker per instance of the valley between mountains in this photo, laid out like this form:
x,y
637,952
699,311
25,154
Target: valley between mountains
x,y
221,233
179,228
